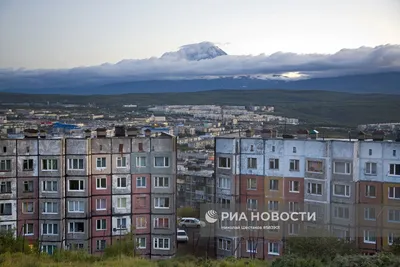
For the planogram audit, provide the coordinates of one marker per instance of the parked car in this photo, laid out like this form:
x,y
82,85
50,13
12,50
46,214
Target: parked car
x,y
191,223
181,236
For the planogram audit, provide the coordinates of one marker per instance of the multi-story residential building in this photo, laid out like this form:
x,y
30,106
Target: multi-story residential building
x,y
353,186
86,193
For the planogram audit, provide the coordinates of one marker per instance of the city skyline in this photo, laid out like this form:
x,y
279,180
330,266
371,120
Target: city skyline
x,y
67,34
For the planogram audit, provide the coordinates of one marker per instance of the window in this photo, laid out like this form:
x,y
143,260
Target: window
x,y
101,183
370,152
101,245
294,186
28,149
140,162
76,227
252,204
252,163
394,192
121,162
28,229
162,182
121,182
341,190
341,212
50,229
161,202
252,148
224,183
314,189
294,165
6,227
370,168
369,237
101,204
273,149
161,162
4,149
274,185
75,164
5,165
76,185
101,224
294,206
140,146
27,207
141,182
27,165
369,214
224,163
293,229
394,169
391,237
273,205
224,244
251,183
161,243
342,234
76,206
141,242
121,223
394,216
101,163
50,207
75,246
121,203
314,166
161,223
225,203
50,186
370,191
294,150
273,248
141,223
49,164
274,164
121,148
5,187
5,209
49,249
342,168
394,153
251,246
28,187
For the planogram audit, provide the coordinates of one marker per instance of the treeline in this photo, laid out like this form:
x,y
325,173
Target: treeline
x,y
299,252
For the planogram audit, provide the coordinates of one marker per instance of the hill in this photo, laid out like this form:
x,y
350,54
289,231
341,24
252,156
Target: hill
x,y
310,106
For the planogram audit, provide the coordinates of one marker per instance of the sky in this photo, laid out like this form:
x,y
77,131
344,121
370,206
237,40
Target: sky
x,y
53,34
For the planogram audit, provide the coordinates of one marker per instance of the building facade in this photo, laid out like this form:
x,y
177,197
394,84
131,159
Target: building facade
x,y
353,186
86,193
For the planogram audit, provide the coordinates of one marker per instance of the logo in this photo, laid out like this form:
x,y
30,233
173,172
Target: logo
x,y
211,216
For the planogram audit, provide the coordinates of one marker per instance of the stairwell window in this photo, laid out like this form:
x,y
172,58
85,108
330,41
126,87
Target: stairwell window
x,y
273,185
49,165
28,187
251,246
394,169
101,224
370,191
273,248
274,164
121,223
141,223
140,182
121,182
342,168
121,203
251,184
370,168
273,205
28,229
141,242
369,237
369,214
293,229
391,238
101,163
252,163
75,164
5,165
27,207
294,186
121,162
101,183
101,204
101,245
252,204
294,206
161,162
224,163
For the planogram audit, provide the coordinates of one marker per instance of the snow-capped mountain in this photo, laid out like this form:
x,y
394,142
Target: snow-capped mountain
x,y
196,52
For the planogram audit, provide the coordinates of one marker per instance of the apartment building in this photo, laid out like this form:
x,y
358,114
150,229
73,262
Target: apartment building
x,y
86,193
352,185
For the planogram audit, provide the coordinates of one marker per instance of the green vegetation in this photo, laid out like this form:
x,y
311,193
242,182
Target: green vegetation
x,y
187,212
316,107
301,252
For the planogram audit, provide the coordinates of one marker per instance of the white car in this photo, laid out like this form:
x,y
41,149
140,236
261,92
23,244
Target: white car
x,y
181,236
191,223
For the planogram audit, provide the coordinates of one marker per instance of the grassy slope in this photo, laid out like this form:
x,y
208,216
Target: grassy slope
x,y
311,106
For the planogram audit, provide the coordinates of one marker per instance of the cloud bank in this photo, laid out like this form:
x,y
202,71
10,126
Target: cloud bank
x,y
207,60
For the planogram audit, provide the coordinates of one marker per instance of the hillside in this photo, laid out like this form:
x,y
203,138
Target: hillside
x,y
309,106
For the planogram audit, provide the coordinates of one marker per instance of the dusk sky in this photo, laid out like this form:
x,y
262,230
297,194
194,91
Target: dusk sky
x,y
70,33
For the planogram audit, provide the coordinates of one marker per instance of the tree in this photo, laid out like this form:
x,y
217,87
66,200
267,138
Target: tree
x,y
187,212
12,244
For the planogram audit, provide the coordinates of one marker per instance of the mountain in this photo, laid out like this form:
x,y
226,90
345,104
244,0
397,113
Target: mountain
x,y
196,52
384,83
205,66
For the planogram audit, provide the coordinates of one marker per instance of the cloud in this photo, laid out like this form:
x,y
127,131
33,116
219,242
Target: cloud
x,y
178,66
